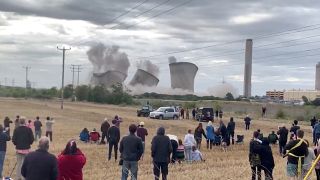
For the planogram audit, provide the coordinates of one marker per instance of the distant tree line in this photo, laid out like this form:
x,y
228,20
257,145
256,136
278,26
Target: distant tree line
x,y
187,97
99,94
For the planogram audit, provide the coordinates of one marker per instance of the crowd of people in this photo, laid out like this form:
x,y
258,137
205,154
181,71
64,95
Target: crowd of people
x,y
165,148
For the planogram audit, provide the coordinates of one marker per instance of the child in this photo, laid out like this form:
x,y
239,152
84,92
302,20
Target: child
x,y
196,154
84,135
94,136
180,151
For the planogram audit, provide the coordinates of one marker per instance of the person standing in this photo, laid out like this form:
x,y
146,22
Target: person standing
x,y
224,134
113,137
220,114
187,113
194,113
198,133
254,158
22,139
16,122
188,142
313,121
273,138
283,138
247,121
37,128
49,124
40,164
265,153
118,121
71,162
316,132
296,150
210,134
230,129
4,137
131,151
217,113
317,168
160,152
182,113
104,130
142,133
294,129
6,124
264,111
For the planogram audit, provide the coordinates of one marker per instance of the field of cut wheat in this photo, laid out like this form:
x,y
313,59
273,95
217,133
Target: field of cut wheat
x,y
232,164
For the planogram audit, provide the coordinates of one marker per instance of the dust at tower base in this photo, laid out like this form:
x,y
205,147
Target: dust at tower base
x,y
183,75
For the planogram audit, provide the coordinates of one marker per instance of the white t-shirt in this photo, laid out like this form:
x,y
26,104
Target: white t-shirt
x,y
196,155
189,140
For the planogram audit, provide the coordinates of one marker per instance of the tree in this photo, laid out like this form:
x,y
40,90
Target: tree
x,y
82,92
305,100
229,97
68,91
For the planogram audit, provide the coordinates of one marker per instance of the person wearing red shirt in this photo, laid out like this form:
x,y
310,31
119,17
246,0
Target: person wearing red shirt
x,y
94,136
71,162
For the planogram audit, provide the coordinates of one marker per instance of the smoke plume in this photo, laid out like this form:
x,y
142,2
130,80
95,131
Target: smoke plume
x,y
172,59
106,59
149,67
222,89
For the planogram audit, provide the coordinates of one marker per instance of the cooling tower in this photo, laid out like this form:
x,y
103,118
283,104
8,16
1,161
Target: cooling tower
x,y
248,69
144,78
317,83
108,78
182,75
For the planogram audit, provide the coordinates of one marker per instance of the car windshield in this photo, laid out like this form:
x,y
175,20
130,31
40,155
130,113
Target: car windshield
x,y
145,107
161,109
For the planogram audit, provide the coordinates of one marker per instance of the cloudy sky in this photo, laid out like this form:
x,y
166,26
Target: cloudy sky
x,y
285,35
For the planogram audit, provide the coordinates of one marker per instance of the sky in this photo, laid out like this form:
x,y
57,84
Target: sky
x,y
210,34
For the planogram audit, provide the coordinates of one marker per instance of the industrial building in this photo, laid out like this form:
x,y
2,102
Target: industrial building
x,y
247,69
183,75
296,95
144,78
317,82
108,78
279,95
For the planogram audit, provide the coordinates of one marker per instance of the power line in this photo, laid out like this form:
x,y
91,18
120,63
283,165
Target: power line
x,y
159,14
128,11
63,49
144,12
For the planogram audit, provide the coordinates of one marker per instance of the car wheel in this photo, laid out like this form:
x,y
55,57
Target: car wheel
x,y
160,117
175,117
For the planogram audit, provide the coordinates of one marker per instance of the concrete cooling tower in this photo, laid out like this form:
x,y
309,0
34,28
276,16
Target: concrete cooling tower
x,y
108,78
182,75
144,78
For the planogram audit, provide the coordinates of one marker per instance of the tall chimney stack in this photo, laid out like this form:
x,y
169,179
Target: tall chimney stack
x,y
248,69
317,83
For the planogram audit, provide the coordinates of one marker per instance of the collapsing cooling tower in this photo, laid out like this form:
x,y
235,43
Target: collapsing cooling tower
x,y
182,75
108,78
144,78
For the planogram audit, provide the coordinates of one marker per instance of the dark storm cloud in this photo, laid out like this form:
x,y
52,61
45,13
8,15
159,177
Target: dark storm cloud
x,y
197,24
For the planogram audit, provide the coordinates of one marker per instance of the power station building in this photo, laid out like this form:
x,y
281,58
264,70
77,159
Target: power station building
x,y
247,69
108,78
183,75
144,78
317,81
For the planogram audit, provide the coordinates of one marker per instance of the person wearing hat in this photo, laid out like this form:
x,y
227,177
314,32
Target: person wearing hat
x,y
94,136
142,133
113,137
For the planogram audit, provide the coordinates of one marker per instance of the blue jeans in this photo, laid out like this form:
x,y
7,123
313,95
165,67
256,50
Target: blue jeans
x,y
2,156
37,135
132,166
188,151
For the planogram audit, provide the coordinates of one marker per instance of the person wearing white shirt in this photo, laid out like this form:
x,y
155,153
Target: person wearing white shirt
x,y
189,142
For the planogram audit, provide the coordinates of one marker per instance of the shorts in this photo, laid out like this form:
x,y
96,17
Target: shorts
x,y
292,170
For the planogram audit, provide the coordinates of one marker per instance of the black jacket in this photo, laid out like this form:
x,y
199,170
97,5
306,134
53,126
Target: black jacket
x,y
4,137
105,127
247,120
37,125
283,135
131,148
7,123
302,150
294,129
198,134
231,126
113,135
161,147
265,153
22,137
40,165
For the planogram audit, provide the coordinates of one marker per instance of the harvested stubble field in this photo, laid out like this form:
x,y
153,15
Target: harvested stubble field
x,y
232,164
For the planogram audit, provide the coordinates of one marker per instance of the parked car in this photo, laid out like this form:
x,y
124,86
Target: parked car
x,y
205,114
144,111
165,113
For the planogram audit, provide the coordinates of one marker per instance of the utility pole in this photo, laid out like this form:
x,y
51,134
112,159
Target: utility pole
x,y
27,72
72,70
63,49
13,82
78,70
